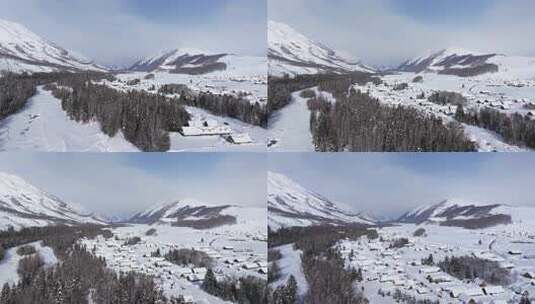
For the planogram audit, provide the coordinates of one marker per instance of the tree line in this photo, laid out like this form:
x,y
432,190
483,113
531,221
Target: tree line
x,y
470,268
246,290
145,119
280,89
228,106
14,92
357,122
516,129
329,280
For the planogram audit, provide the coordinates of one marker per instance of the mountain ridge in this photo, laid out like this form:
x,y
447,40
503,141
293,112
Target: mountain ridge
x,y
290,204
21,50
292,53
24,205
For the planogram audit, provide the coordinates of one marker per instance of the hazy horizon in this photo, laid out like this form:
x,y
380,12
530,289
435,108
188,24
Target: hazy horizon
x,y
388,185
119,184
389,32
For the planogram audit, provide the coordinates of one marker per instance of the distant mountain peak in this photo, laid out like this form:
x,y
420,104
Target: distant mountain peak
x,y
454,60
291,52
290,204
24,205
21,50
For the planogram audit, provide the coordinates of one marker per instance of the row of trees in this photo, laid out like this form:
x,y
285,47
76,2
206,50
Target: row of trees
x,y
247,290
329,280
186,257
515,128
15,90
80,277
286,293
280,89
145,119
469,268
358,122
229,106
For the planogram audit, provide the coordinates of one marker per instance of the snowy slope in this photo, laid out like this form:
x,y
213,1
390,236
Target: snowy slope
x,y
42,125
23,205
292,53
461,62
22,50
460,210
197,62
201,215
290,204
443,59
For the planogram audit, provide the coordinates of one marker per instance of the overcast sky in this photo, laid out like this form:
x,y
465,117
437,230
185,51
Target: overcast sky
x,y
116,32
387,32
391,184
125,183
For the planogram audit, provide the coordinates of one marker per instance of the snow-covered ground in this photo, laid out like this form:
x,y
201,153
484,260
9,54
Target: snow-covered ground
x,y
289,128
290,264
247,79
501,91
213,143
237,251
10,263
391,269
42,125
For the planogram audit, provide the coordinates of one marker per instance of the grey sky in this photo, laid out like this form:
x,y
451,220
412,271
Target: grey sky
x,y
391,184
387,32
124,183
121,31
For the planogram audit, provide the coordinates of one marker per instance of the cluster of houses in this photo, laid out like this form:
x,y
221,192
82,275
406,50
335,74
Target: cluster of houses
x,y
416,95
389,269
227,261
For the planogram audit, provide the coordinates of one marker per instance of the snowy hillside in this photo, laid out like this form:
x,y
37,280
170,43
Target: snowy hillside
x,y
22,50
290,204
462,213
292,53
443,59
197,62
201,215
23,205
460,62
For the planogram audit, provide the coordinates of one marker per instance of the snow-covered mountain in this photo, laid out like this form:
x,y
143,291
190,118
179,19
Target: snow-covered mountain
x,y
200,215
23,205
453,61
292,53
197,62
21,50
461,62
469,214
292,205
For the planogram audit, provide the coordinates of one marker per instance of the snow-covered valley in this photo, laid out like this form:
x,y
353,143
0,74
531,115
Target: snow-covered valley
x,y
43,126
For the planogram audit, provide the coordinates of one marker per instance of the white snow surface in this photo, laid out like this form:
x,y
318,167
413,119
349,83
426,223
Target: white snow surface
x,y
248,219
10,263
292,53
43,126
290,264
21,50
24,205
519,214
299,206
